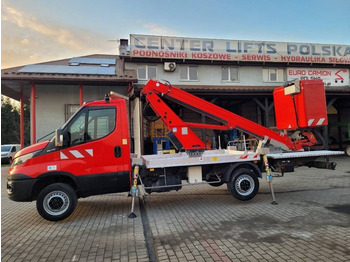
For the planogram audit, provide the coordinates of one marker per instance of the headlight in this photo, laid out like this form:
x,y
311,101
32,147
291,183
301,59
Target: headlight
x,y
22,159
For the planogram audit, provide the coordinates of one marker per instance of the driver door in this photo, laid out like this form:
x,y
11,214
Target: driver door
x,y
92,138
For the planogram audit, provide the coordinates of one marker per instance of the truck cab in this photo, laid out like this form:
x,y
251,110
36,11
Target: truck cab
x,y
89,155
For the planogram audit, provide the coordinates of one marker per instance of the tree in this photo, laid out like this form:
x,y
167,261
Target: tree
x,y
10,122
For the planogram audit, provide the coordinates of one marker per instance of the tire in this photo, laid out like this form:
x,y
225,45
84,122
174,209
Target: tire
x,y
56,202
347,150
244,184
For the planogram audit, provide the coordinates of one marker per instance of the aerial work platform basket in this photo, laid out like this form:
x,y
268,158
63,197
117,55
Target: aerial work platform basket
x,y
300,104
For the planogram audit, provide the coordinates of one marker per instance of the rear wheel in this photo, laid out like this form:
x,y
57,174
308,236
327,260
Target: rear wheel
x,y
56,202
243,184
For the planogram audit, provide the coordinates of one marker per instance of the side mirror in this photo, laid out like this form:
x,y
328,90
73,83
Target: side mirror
x,y
58,138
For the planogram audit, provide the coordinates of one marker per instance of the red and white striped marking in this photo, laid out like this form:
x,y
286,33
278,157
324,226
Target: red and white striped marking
x,y
73,154
311,122
249,156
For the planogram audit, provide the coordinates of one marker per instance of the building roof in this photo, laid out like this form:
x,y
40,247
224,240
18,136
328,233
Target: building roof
x,y
88,68
85,69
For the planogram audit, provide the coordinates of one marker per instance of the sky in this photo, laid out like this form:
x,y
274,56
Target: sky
x,y
34,31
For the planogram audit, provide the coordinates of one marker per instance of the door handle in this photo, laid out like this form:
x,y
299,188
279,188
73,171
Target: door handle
x,y
117,151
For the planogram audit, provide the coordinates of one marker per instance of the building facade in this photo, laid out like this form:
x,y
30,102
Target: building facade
x,y
241,75
238,75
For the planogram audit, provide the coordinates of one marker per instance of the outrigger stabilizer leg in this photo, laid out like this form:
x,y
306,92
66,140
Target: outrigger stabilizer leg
x,y
269,179
134,191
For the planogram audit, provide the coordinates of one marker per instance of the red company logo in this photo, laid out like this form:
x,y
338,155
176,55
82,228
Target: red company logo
x,y
339,77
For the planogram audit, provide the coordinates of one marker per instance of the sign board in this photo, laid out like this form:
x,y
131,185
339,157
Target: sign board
x,y
330,76
236,50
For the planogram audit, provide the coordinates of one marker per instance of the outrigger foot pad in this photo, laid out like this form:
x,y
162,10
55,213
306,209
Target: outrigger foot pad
x,y
274,203
132,215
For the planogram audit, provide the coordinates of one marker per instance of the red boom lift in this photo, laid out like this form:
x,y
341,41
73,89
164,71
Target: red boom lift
x,y
90,154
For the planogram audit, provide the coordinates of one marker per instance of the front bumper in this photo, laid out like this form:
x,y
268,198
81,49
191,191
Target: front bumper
x,y
20,189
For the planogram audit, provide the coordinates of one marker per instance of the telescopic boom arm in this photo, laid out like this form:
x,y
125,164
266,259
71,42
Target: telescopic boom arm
x,y
180,132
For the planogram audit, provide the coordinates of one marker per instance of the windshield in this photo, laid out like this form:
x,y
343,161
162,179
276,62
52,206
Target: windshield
x,y
5,148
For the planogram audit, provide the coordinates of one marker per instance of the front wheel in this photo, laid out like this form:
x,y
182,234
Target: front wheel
x,y
56,202
244,184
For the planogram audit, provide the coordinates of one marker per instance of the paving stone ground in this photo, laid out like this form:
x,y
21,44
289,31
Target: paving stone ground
x,y
198,223
98,230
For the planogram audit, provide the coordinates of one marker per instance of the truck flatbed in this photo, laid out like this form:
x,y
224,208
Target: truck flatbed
x,y
208,157
299,154
222,156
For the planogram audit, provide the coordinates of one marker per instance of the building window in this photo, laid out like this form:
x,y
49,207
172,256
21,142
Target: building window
x,y
273,75
145,72
229,74
70,110
189,73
